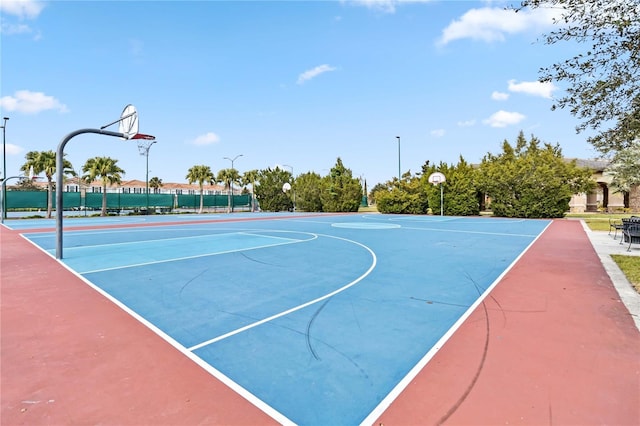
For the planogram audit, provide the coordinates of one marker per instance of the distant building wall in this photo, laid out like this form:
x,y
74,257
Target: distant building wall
x,y
603,197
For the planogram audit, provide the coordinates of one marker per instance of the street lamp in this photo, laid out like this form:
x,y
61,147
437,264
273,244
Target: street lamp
x,y
398,137
230,193
144,148
294,191
4,163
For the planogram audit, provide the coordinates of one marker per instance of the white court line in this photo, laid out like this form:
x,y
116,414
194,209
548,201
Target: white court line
x,y
180,238
459,231
177,259
296,308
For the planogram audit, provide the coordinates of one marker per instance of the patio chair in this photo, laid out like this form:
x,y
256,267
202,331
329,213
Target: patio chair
x,y
631,233
615,224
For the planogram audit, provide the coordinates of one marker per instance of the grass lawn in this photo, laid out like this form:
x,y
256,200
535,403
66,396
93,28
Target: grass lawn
x,y
597,221
630,265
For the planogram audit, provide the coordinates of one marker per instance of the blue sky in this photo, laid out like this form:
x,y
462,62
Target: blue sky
x,y
297,83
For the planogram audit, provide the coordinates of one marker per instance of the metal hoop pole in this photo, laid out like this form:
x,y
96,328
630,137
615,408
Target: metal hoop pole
x,y
60,176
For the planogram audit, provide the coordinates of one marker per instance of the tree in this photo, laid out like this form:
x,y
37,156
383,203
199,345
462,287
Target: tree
x,y
405,196
309,186
249,178
531,181
155,183
45,161
459,192
228,177
378,187
624,169
603,79
200,174
107,171
26,184
397,201
341,191
269,190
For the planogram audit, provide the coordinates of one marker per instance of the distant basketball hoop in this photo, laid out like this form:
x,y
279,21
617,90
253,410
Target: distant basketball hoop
x,y
436,179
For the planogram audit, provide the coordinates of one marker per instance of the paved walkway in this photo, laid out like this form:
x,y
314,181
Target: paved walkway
x,y
605,245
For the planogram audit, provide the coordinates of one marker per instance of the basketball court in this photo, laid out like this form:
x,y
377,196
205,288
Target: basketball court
x,y
312,319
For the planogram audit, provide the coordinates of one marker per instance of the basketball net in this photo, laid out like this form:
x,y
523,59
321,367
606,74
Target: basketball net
x,y
144,144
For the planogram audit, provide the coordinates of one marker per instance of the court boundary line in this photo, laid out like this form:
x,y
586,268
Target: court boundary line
x,y
461,231
408,378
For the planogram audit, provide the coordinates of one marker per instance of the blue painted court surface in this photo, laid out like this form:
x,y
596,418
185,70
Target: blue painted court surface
x,y
317,320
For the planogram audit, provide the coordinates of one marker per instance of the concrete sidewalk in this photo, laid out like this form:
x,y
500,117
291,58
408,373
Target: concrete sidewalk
x,y
605,245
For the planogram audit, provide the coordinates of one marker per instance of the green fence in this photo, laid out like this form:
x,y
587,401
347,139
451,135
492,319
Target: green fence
x,y
30,200
93,200
192,201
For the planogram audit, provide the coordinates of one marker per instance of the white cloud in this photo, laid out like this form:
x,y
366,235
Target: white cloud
x,y
13,149
28,9
467,123
534,88
504,119
11,29
20,10
438,133
314,72
31,102
206,139
499,96
492,24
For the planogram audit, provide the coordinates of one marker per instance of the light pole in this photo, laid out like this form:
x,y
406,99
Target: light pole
x,y
4,163
230,194
398,137
4,190
294,191
144,150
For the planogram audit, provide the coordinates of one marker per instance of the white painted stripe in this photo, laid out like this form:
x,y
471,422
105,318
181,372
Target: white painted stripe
x,y
178,259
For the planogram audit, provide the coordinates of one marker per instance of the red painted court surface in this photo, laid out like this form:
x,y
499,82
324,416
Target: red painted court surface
x,y
552,344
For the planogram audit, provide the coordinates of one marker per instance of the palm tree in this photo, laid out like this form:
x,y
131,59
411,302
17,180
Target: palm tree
x,y
249,178
200,174
45,161
229,177
107,171
155,183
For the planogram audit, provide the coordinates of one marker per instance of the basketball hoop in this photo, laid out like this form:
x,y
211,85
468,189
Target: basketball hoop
x,y
437,178
128,125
